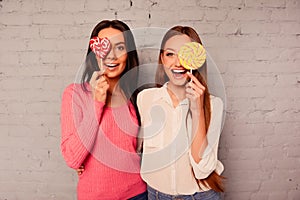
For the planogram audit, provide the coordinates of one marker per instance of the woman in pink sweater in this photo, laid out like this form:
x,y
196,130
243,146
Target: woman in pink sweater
x,y
99,120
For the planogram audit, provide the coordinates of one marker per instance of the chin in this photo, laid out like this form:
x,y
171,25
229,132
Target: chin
x,y
114,73
181,82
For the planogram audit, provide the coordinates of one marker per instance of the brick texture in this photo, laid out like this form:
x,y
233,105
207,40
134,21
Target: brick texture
x,y
255,44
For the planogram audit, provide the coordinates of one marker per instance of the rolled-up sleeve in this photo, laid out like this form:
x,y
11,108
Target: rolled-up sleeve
x,y
209,161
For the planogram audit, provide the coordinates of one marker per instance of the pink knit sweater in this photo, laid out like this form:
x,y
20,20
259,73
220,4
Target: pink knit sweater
x,y
103,139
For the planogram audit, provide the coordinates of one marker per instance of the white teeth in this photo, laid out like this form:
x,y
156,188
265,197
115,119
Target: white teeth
x,y
111,65
178,70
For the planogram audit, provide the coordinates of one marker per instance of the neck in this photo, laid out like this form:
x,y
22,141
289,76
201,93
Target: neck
x,y
115,95
114,86
176,92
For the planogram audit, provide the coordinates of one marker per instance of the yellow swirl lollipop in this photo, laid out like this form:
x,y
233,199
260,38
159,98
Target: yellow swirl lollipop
x,y
192,55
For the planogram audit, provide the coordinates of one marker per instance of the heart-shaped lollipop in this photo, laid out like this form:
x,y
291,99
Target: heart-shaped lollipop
x,y
100,46
192,55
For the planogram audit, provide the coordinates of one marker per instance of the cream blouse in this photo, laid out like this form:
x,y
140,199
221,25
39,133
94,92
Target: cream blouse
x,y
167,163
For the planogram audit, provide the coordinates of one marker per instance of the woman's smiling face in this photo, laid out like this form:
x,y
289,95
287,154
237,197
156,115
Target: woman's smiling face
x,y
175,72
115,61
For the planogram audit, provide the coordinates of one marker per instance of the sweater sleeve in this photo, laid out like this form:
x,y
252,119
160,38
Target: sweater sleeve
x,y
209,161
80,116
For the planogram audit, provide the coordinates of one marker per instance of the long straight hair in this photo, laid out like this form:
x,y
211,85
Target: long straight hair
x,y
214,180
128,83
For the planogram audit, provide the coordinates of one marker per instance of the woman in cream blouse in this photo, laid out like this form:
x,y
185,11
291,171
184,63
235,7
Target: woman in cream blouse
x,y
181,125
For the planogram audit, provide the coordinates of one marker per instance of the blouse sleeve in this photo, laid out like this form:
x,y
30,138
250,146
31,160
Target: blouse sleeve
x,y
140,139
209,161
139,104
80,116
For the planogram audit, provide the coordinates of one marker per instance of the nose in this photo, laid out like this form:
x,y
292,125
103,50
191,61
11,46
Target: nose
x,y
177,62
111,55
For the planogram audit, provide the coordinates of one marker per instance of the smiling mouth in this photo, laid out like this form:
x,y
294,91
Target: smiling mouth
x,y
179,71
111,65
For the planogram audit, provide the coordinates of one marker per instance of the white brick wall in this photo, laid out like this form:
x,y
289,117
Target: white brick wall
x,y
255,43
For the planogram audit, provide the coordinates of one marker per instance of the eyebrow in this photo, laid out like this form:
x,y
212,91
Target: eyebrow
x,y
169,49
120,43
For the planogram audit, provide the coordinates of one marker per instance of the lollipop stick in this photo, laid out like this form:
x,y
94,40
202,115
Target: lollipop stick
x,y
191,71
102,68
101,64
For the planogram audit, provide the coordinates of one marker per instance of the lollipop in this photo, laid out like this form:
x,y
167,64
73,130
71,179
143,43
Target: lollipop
x,y
100,46
192,55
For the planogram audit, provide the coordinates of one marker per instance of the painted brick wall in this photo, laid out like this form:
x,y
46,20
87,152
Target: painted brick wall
x,y
255,43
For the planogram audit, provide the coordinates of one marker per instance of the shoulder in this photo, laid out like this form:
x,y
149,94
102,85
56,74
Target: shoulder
x,y
72,87
74,90
148,92
147,96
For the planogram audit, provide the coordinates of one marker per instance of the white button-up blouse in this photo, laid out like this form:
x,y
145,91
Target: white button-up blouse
x,y
167,163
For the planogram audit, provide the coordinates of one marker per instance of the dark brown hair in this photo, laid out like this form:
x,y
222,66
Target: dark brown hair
x,y
214,180
129,83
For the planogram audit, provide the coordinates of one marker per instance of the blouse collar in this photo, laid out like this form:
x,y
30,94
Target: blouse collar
x,y
162,94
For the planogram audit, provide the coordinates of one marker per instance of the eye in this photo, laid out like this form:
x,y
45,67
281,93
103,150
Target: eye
x,y
120,47
170,54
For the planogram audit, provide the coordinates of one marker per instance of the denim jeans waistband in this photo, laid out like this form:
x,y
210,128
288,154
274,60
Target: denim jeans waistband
x,y
153,194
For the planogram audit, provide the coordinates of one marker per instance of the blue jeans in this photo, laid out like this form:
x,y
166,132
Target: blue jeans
x,y
207,195
143,196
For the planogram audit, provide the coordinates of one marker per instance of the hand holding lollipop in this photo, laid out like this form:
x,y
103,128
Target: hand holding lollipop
x,y
192,55
100,47
99,84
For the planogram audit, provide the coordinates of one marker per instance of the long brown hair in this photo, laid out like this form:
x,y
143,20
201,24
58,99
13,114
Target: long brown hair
x,y
128,83
214,180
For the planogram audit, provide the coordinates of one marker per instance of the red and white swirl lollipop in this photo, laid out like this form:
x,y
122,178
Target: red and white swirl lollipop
x,y
192,55
100,46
